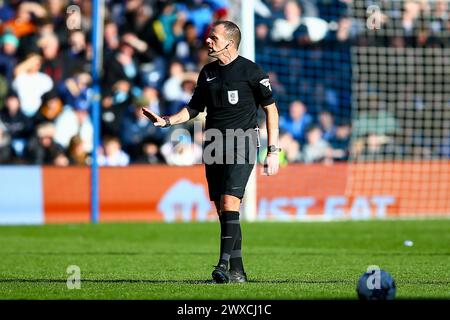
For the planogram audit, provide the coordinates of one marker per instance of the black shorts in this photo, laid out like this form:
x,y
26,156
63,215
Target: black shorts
x,y
231,177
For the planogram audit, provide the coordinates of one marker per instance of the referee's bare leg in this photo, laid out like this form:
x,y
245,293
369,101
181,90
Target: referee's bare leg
x,y
230,237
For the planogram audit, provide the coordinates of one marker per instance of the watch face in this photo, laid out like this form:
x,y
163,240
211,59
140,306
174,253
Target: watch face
x,y
167,121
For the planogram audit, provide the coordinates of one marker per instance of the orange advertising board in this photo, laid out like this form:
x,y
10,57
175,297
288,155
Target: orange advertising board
x,y
298,192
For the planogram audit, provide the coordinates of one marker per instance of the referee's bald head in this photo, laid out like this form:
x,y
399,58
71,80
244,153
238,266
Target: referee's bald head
x,y
232,31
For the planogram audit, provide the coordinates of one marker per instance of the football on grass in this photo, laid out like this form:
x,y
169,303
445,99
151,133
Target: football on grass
x,y
376,285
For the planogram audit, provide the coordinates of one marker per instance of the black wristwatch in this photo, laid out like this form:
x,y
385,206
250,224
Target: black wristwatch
x,y
168,124
273,148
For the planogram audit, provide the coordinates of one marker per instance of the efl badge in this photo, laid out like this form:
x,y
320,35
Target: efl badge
x,y
266,83
233,97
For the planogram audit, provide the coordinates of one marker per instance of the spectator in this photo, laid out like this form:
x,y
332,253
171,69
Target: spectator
x,y
139,19
150,153
290,147
276,85
75,56
262,33
6,11
113,107
291,28
203,57
112,153
4,88
375,147
316,149
342,36
76,90
439,24
182,152
326,123
186,48
42,149
75,121
290,150
145,34
167,19
440,19
178,29
277,8
340,143
310,6
444,147
375,119
112,38
200,13
151,96
56,13
172,86
121,66
30,84
86,9
30,42
50,108
144,55
53,64
6,150
77,152
187,90
136,129
220,11
199,135
179,88
61,159
329,10
297,122
410,18
8,55
379,121
18,125
22,24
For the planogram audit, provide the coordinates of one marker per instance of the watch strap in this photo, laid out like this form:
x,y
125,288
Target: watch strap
x,y
168,124
272,149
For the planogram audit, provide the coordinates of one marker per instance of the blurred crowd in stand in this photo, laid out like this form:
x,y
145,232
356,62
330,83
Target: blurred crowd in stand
x,y
153,52
306,46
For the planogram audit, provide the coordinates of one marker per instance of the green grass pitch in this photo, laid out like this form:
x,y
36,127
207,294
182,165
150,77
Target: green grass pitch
x,y
172,261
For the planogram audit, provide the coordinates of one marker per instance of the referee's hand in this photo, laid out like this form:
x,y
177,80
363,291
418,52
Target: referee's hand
x,y
157,120
271,164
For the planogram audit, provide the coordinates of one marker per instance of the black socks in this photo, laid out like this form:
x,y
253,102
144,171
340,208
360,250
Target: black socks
x,y
230,233
236,263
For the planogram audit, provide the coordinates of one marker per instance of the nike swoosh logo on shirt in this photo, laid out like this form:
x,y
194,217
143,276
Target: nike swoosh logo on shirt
x,y
210,79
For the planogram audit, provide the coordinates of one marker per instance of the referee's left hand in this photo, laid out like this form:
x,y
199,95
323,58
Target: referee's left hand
x,y
271,164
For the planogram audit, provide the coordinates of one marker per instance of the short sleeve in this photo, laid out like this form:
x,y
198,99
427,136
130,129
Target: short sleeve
x,y
197,101
262,88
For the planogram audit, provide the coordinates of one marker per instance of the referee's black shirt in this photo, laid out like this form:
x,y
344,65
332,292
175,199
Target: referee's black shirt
x,y
231,94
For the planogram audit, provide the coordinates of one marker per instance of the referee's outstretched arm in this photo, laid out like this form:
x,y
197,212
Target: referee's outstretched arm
x,y
183,115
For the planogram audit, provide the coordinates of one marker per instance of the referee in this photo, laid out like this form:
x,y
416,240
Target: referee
x,y
231,89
